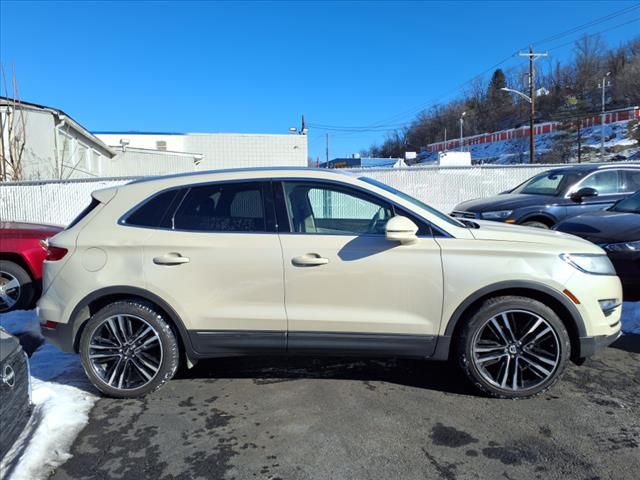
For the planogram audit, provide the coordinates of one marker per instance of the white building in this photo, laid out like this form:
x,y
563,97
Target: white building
x,y
39,142
219,150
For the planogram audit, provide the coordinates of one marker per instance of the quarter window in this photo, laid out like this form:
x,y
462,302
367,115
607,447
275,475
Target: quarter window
x,y
157,211
328,209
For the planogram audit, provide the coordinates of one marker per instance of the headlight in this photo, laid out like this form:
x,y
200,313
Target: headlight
x,y
498,215
623,247
593,263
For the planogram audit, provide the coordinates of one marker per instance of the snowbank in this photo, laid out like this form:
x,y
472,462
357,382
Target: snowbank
x,y
62,399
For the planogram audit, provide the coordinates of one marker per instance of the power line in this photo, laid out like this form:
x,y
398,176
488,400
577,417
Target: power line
x,y
381,126
589,24
595,34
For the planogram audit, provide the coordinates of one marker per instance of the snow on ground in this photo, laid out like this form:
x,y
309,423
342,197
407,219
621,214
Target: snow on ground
x,y
62,399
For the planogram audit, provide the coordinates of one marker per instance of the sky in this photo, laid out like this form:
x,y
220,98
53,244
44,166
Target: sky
x,y
257,67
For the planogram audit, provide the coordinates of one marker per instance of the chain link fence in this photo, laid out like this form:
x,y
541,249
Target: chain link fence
x,y
58,202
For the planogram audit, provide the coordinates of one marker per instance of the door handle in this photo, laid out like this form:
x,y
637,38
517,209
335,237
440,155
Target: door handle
x,y
309,260
173,258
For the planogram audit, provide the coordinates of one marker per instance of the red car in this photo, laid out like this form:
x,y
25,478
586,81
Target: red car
x,y
21,257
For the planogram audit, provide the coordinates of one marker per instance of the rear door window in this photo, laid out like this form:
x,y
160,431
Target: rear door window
x,y
222,207
604,182
630,180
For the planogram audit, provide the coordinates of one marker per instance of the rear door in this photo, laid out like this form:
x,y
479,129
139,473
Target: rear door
x,y
217,259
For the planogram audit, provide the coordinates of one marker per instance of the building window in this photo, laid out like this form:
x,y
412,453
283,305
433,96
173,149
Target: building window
x,y
161,145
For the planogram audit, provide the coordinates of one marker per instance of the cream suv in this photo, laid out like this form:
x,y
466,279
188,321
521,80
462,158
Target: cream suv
x,y
173,269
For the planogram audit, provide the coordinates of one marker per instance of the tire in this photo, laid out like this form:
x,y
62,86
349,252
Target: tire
x,y
488,354
535,224
21,291
128,350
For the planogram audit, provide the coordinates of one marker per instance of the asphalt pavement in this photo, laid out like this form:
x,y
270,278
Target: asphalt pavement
x,y
328,418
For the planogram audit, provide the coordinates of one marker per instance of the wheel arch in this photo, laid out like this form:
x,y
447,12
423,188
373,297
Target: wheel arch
x,y
100,298
18,260
545,218
561,305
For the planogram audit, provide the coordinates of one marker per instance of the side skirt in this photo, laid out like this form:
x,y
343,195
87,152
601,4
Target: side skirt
x,y
220,343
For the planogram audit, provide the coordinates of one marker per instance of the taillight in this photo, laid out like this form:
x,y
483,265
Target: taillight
x,y
55,253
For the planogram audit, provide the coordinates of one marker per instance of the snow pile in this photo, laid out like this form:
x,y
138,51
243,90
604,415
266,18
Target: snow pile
x,y
62,399
505,152
631,317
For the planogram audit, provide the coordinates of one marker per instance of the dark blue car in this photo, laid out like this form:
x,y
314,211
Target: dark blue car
x,y
557,194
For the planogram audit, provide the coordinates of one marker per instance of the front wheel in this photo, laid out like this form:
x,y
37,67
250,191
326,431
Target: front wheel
x,y
128,350
513,347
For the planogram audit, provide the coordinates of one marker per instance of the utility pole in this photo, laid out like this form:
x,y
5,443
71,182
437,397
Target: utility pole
x,y
461,130
445,139
327,151
605,83
532,95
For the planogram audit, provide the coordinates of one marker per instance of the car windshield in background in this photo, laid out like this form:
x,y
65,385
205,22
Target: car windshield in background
x,y
413,200
628,205
544,184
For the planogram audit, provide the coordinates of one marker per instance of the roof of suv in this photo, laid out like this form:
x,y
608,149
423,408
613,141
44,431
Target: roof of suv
x,y
586,167
265,170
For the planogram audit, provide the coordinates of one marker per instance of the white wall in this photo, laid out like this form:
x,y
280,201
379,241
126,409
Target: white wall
x,y
225,150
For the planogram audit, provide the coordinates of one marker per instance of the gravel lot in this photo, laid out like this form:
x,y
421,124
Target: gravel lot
x,y
303,418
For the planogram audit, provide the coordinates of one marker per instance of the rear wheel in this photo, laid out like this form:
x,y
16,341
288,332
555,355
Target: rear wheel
x,y
514,347
16,287
128,350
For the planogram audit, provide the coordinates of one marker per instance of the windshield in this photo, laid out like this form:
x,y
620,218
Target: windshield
x,y
413,200
548,183
628,205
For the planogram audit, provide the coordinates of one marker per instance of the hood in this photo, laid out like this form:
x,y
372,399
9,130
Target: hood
x,y
509,201
604,226
26,230
515,233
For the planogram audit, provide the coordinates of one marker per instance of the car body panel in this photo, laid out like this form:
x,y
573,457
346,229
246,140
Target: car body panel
x,y
23,240
405,299
15,391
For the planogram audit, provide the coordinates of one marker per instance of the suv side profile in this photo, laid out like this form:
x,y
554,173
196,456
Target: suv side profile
x,y
302,261
555,195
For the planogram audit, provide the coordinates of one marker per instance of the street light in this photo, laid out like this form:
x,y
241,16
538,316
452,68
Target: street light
x,y
603,85
461,127
531,121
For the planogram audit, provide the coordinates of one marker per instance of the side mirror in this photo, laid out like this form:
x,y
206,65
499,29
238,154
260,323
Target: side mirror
x,y
401,229
584,192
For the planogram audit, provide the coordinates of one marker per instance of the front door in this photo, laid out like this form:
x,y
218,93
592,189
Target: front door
x,y
610,185
347,288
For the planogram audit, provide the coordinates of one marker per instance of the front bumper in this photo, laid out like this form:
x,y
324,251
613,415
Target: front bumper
x,y
591,345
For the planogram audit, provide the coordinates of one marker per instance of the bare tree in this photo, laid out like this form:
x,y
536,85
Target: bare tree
x,y
12,131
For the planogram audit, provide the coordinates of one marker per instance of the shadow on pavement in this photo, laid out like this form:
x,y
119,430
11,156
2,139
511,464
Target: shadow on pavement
x,y
430,375
629,342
